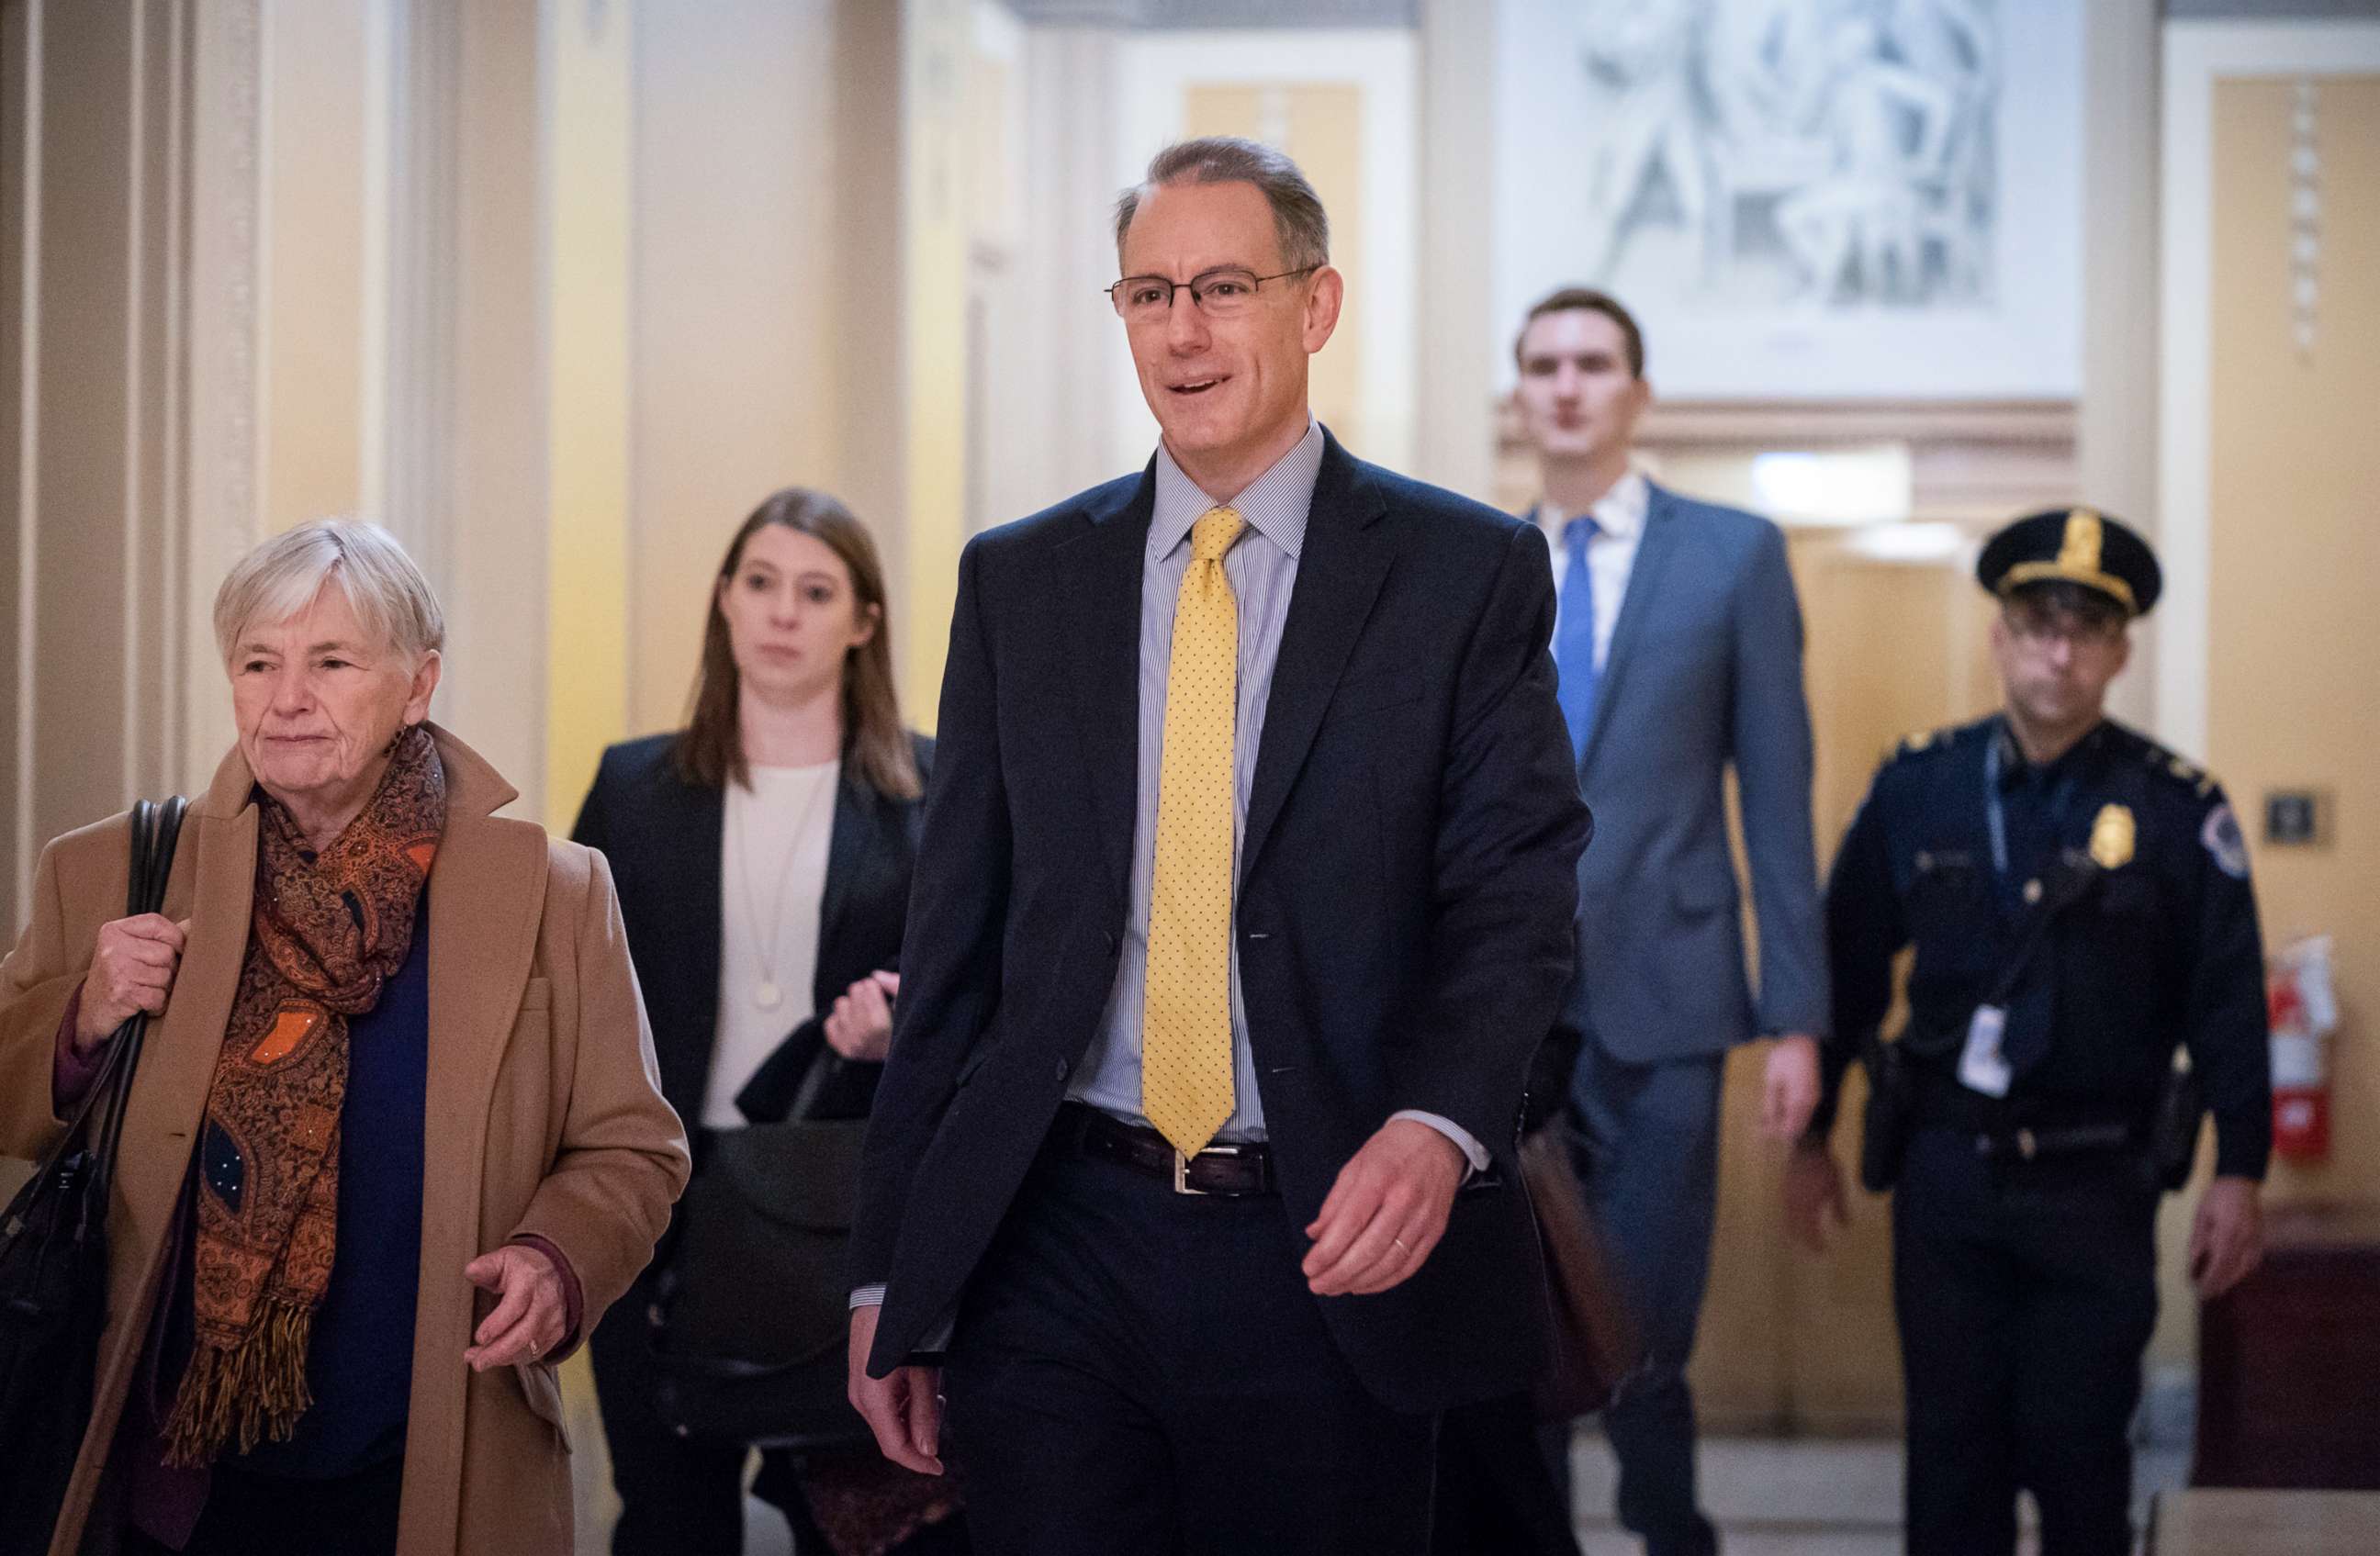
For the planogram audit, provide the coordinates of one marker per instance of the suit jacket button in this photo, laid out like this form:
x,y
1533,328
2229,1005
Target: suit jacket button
x,y
1062,1067
1114,945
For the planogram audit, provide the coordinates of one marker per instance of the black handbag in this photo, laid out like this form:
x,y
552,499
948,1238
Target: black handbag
x,y
751,1326
54,1255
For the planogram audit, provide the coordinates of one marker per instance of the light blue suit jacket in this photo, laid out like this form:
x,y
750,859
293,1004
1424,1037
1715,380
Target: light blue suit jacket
x,y
1704,670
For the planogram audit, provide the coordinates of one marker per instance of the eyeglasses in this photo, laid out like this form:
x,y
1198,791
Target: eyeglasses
x,y
1218,294
2078,632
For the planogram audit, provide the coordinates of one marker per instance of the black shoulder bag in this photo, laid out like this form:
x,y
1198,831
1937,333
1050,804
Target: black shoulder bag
x,y
54,1255
750,1334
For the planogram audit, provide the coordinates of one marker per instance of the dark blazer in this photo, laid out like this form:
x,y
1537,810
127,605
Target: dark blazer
x,y
662,835
1406,892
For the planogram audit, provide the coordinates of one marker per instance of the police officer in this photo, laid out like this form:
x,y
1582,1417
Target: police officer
x,y
2079,903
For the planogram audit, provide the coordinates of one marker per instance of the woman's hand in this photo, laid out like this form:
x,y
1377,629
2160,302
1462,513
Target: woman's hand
x,y
860,1026
530,1308
131,971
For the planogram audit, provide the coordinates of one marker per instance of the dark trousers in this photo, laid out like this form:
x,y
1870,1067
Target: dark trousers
x,y
1137,1371
280,1515
1502,1483
1645,1139
2025,1294
677,1494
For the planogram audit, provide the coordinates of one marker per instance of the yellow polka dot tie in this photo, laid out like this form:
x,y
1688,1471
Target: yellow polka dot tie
x,y
1185,1054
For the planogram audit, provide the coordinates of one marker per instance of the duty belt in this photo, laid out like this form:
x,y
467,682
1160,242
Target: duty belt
x,y
2027,1144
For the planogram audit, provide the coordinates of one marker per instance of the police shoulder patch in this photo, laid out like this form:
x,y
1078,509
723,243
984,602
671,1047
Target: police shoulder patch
x,y
2222,837
1920,739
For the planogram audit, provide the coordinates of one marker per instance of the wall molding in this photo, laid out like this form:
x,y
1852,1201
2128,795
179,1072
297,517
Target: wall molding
x,y
226,292
410,357
29,406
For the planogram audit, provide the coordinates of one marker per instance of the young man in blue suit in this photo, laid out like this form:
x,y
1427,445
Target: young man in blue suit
x,y
1243,898
1677,644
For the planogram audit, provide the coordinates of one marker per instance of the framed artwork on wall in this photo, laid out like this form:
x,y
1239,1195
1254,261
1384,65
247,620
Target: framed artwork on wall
x,y
1802,199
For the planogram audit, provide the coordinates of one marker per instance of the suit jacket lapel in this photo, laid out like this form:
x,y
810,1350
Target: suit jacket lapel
x,y
1339,574
847,854
1100,580
1653,553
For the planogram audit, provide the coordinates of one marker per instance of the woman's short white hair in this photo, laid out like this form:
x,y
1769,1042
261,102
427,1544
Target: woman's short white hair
x,y
281,577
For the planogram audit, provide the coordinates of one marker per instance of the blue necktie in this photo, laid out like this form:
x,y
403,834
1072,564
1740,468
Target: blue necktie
x,y
1575,637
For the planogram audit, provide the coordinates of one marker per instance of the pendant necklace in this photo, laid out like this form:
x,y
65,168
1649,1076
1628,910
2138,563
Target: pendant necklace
x,y
766,993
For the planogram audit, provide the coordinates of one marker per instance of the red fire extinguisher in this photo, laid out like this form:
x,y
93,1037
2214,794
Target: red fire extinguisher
x,y
2300,1080
2302,1015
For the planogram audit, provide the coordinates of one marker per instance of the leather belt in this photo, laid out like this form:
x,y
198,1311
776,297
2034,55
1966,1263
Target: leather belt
x,y
1226,1170
2069,1141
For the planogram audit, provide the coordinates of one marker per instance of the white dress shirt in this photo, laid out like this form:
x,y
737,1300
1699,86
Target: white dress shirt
x,y
1618,515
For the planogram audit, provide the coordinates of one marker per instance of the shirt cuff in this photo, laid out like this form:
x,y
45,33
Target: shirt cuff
x,y
573,1298
1473,1151
71,1073
867,1296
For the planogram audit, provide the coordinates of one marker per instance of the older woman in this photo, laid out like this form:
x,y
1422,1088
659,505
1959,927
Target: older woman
x,y
397,1142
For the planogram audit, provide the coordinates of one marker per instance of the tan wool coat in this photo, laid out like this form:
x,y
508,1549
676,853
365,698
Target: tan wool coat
x,y
544,1116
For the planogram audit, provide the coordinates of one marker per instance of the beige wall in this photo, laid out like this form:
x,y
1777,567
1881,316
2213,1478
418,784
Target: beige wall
x,y
312,267
735,331
497,483
2293,664
930,334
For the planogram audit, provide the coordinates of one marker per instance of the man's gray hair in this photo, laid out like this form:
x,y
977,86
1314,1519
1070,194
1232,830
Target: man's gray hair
x,y
278,579
1297,217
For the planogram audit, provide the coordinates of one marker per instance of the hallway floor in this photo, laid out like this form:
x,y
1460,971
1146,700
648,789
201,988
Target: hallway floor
x,y
1801,1497
1771,1497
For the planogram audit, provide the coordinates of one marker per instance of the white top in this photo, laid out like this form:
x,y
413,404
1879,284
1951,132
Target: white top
x,y
1610,552
772,883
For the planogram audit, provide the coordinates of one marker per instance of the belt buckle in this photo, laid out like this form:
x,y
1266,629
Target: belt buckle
x,y
1181,1167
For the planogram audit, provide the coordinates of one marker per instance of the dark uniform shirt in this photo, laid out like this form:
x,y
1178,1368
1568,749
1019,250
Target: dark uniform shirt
x,y
1962,846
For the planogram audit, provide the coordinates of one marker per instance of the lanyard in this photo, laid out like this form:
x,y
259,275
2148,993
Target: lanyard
x,y
1994,816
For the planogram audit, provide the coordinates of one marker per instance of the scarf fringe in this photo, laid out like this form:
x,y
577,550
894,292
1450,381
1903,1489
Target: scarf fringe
x,y
246,1392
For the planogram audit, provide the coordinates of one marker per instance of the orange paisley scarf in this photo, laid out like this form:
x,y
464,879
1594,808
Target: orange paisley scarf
x,y
326,933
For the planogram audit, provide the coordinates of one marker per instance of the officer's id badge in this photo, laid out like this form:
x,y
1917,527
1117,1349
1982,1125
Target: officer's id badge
x,y
2221,836
2111,838
1981,1065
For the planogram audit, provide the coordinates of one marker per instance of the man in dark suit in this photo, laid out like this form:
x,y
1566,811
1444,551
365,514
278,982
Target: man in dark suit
x,y
1243,898
1677,644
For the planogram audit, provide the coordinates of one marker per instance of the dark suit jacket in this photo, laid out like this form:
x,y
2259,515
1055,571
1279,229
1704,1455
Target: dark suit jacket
x,y
1403,907
662,835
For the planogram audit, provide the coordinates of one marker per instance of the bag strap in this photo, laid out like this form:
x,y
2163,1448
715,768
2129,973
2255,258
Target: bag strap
x,y
156,830
2072,887
99,1115
823,1067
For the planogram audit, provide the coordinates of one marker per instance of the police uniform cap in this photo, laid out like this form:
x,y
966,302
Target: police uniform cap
x,y
2072,546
